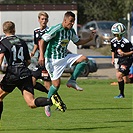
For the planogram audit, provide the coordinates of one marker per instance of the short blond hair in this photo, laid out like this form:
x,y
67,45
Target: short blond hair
x,y
42,13
9,27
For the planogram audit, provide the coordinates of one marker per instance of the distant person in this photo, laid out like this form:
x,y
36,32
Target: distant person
x,y
56,55
17,73
40,72
122,51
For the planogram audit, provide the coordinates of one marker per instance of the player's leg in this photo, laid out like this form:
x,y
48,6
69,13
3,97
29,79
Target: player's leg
x,y
80,65
2,95
35,102
39,101
38,86
126,79
120,85
53,90
47,84
54,87
123,70
5,89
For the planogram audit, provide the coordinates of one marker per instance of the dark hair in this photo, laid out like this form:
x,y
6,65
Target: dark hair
x,y
69,13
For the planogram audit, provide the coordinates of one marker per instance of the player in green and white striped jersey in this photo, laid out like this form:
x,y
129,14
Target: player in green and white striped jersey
x,y
56,55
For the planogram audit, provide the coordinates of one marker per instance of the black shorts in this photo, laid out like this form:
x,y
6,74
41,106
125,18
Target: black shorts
x,y
22,84
41,73
124,65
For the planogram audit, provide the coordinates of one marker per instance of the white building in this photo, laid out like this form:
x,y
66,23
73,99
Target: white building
x,y
25,17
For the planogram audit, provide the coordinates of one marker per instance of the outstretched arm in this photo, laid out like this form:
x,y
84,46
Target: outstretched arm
x,y
41,49
84,41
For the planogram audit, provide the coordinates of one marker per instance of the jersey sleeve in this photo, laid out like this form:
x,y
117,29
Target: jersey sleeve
x,y
75,37
50,33
112,48
131,46
35,39
26,51
2,49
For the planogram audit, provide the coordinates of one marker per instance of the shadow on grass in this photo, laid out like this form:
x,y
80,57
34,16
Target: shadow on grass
x,y
96,109
65,129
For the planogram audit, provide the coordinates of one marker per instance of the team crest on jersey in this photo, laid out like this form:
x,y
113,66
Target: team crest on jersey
x,y
37,35
114,44
122,45
64,42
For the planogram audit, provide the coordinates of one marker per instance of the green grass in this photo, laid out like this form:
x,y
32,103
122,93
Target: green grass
x,y
92,111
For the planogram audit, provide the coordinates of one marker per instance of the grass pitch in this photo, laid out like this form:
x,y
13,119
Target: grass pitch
x,y
93,111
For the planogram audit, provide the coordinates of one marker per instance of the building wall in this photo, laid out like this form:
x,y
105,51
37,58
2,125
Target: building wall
x,y
26,18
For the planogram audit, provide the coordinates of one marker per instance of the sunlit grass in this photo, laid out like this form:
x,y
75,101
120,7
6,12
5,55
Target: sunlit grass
x,y
93,110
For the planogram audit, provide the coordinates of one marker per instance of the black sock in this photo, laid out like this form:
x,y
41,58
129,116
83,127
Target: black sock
x,y
40,87
1,108
42,101
121,87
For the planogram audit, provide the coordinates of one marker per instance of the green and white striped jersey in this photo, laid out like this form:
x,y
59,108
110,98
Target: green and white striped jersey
x,y
58,39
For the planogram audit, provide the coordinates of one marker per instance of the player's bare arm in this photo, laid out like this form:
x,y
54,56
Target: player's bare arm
x,y
1,58
41,49
125,53
84,41
112,58
34,50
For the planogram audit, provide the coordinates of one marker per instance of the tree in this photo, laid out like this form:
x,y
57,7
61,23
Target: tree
x,y
105,9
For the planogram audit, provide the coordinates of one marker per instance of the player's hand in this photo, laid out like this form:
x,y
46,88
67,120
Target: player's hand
x,y
112,62
41,61
92,34
31,54
120,52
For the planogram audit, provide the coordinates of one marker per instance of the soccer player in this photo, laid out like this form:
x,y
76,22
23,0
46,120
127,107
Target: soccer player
x,y
40,72
17,73
56,55
122,51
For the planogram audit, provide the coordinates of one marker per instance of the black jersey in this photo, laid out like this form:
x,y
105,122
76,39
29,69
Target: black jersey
x,y
38,34
17,54
123,44
15,50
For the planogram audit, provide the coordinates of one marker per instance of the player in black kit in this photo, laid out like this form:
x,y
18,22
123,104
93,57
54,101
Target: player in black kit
x,y
40,72
122,51
17,73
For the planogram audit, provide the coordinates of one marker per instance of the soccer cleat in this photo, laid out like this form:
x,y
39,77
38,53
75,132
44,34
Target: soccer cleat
x,y
56,101
72,83
119,96
63,106
47,110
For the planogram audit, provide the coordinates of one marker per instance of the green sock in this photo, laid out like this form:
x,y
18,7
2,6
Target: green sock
x,y
78,69
52,91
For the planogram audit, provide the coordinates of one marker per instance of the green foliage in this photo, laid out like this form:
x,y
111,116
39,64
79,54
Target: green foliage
x,y
92,111
37,1
105,9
